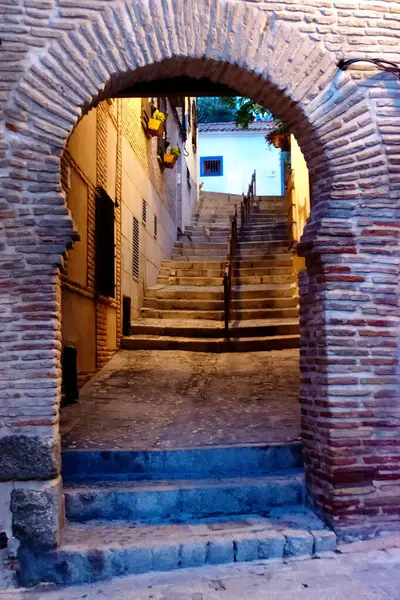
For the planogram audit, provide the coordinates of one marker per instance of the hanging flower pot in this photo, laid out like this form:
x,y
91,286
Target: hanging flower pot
x,y
155,126
170,157
277,140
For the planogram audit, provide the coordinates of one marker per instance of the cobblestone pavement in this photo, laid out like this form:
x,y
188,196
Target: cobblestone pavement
x,y
372,575
170,399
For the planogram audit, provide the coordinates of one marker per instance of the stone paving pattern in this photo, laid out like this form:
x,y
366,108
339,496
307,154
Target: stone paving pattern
x,y
173,399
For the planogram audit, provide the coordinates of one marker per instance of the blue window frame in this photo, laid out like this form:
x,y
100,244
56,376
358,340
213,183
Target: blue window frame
x,y
211,166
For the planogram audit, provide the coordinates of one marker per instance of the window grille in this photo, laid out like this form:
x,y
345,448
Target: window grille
x,y
135,249
144,212
104,244
155,227
211,166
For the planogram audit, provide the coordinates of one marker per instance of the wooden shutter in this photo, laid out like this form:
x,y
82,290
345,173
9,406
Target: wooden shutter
x,y
105,244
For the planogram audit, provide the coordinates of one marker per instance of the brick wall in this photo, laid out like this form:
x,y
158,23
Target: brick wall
x,y
56,58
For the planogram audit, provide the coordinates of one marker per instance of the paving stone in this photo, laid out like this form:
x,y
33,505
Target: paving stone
x,y
298,542
271,545
165,558
150,401
220,551
324,540
193,554
246,548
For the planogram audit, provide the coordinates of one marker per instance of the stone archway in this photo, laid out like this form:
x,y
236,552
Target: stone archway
x,y
335,123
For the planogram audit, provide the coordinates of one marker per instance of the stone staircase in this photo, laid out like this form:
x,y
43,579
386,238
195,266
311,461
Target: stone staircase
x,y
185,309
132,512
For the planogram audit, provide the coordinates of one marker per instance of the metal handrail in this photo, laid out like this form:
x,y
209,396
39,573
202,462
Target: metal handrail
x,y
248,201
245,212
232,243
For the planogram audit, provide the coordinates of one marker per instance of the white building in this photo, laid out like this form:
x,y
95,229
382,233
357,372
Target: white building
x,y
228,156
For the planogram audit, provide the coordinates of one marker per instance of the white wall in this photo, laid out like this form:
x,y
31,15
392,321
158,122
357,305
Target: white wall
x,y
242,152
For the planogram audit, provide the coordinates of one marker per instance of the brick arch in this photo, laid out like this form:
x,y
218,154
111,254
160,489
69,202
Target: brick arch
x,y
335,123
230,42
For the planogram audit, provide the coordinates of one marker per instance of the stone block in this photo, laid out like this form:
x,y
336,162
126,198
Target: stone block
x,y
298,542
220,551
193,554
246,548
271,545
131,561
38,515
165,558
29,458
324,541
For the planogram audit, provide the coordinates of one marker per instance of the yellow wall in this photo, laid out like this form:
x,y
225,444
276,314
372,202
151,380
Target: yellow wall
x,y
110,148
301,196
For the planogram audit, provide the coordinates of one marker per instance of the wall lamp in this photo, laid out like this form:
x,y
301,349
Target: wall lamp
x,y
382,65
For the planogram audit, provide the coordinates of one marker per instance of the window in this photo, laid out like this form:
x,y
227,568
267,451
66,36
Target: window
x,y
155,227
211,166
135,249
144,211
105,244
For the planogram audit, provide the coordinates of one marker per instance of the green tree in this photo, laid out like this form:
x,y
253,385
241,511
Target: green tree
x,y
242,111
246,111
214,110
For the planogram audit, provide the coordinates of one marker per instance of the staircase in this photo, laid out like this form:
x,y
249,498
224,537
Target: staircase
x,y
132,512
185,309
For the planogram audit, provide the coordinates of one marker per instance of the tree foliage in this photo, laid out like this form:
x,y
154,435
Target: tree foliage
x,y
241,111
214,110
246,111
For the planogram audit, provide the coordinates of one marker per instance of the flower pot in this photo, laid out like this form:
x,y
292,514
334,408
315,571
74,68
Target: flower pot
x,y
169,160
277,140
155,127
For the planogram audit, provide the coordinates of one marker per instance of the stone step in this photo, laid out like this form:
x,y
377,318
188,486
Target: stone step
x,y
191,272
91,552
188,463
208,265
198,257
193,280
262,271
272,261
268,245
218,345
204,244
179,501
214,329
196,280
196,230
201,239
179,314
261,252
263,291
187,292
242,304
263,237
216,292
263,279
218,315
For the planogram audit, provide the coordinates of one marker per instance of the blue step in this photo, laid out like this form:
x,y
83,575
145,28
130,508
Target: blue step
x,y
202,463
98,551
180,501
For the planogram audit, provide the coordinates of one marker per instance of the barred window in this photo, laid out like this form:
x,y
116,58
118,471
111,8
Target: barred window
x,y
211,166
